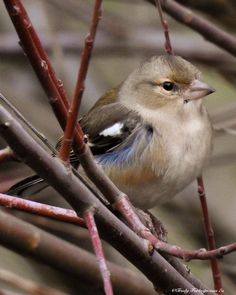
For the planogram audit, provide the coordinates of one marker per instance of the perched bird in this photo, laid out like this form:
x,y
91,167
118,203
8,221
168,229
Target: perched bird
x,y
151,134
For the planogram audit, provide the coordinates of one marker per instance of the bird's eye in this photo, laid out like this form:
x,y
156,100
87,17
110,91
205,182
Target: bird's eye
x,y
168,86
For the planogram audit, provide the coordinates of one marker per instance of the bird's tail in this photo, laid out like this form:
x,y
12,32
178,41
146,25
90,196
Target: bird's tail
x,y
35,184
30,185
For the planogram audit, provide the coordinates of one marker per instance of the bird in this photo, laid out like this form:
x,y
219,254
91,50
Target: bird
x,y
151,134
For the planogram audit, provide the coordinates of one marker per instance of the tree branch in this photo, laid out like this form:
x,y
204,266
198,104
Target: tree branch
x,y
53,212
209,31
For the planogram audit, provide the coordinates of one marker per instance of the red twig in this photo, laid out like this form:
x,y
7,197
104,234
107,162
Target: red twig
x,y
38,58
209,236
57,213
6,154
35,53
204,27
80,86
200,254
97,245
165,26
70,216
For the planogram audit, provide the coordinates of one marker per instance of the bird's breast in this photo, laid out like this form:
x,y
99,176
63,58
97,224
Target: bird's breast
x,y
188,148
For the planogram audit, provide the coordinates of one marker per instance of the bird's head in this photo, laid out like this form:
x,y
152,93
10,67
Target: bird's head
x,y
164,81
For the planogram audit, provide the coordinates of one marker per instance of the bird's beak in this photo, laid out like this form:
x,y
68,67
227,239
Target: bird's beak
x,y
198,89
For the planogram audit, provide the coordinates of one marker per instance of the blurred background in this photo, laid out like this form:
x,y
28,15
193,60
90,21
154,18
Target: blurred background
x,y
129,32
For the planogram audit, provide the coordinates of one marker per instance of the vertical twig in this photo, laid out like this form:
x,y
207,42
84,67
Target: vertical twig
x,y
97,245
210,236
80,86
165,26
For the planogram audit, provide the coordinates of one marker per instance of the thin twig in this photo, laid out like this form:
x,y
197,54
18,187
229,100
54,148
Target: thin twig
x,y
210,236
200,254
57,213
208,30
165,26
97,245
80,86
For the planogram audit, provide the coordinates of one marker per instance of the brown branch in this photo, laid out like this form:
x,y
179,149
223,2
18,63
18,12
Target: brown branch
x,y
29,240
26,285
210,237
208,30
97,245
80,86
80,198
53,212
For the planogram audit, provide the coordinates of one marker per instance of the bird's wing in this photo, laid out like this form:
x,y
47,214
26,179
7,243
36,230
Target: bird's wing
x,y
108,127
119,140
